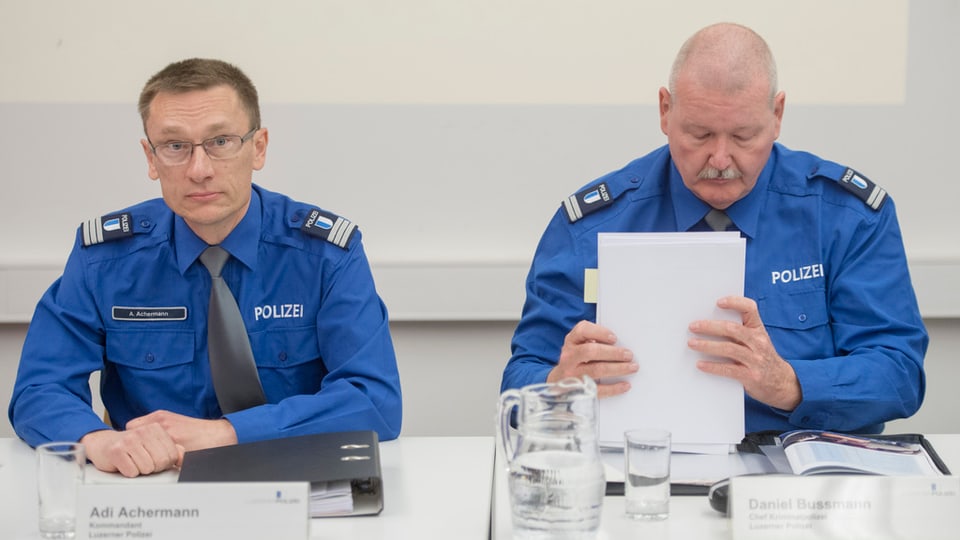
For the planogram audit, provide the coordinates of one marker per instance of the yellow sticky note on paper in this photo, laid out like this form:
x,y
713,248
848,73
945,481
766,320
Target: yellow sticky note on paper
x,y
590,285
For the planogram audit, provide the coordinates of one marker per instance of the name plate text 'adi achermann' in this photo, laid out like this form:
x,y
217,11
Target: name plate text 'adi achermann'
x,y
236,510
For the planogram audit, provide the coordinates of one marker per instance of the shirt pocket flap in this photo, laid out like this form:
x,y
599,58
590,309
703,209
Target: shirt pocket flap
x,y
155,349
285,347
795,311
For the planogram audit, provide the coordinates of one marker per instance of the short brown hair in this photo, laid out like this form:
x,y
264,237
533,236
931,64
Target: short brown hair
x,y
201,74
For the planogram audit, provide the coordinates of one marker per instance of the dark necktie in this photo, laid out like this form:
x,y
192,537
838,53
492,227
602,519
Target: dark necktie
x,y
718,220
234,371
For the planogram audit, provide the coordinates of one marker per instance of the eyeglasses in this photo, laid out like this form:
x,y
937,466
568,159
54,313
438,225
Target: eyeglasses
x,y
220,147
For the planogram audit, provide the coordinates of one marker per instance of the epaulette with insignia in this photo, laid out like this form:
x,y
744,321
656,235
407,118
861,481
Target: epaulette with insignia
x,y
107,228
330,227
871,194
587,201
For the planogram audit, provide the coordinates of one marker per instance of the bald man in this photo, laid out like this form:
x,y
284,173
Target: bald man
x,y
830,335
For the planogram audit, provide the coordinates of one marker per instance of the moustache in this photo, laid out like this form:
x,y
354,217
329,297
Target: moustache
x,y
709,173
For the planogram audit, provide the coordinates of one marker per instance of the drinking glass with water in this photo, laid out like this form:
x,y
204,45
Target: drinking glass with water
x,y
60,470
647,473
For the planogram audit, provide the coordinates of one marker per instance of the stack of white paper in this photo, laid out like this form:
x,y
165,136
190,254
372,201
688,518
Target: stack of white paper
x,y
651,286
331,498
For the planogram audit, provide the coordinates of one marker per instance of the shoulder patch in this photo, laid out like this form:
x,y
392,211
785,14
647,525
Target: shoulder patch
x,y
587,201
871,194
330,227
107,228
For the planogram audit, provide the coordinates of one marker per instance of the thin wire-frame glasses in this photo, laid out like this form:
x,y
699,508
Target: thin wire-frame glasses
x,y
220,147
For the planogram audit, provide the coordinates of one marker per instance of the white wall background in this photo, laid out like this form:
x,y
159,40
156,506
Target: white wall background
x,y
450,131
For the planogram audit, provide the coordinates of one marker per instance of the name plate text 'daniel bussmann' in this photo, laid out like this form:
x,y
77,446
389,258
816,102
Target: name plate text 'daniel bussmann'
x,y
844,507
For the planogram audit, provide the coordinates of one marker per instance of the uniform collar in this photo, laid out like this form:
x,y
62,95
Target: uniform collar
x,y
745,213
242,242
688,209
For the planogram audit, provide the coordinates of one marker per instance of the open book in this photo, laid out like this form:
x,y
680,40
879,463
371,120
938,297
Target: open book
x,y
827,452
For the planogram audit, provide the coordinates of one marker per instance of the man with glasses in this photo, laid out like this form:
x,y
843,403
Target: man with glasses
x,y
147,288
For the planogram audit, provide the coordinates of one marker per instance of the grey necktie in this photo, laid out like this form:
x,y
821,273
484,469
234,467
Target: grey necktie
x,y
718,220
232,366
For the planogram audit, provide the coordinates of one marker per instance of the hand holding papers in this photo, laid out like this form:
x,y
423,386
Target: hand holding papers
x,y
651,287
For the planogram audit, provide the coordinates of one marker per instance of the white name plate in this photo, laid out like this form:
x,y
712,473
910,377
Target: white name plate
x,y
845,507
235,510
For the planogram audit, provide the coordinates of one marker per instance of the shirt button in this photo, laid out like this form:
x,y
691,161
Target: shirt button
x,y
144,223
282,356
802,317
150,358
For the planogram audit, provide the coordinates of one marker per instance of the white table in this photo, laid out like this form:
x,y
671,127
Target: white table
x,y
434,487
690,516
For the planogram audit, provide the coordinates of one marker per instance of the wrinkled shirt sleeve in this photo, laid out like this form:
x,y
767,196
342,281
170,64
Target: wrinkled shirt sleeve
x,y
63,347
554,305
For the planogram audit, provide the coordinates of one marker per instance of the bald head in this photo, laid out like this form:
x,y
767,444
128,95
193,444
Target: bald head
x,y
726,57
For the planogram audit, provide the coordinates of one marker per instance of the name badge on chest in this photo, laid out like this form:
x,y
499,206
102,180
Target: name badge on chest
x,y
149,313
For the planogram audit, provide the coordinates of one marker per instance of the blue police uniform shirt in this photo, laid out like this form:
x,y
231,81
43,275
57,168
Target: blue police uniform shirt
x,y
827,270
136,308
